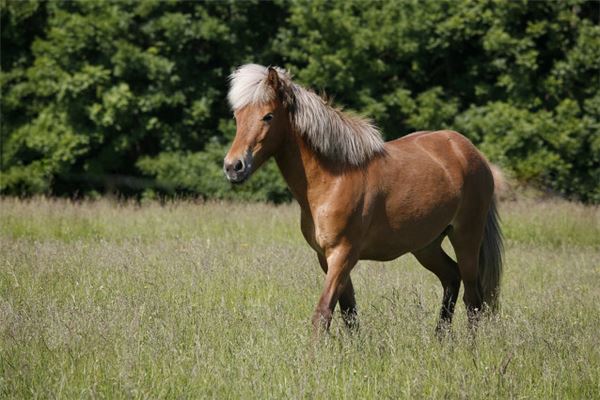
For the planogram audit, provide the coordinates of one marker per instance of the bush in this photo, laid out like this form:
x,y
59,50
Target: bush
x,y
201,173
127,96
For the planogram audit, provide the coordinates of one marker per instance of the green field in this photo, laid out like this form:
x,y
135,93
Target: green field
x,y
192,300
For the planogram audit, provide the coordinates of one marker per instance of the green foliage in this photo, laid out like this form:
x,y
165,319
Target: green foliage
x,y
544,148
201,173
111,83
94,91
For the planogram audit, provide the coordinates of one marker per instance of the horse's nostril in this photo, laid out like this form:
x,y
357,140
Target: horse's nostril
x,y
239,165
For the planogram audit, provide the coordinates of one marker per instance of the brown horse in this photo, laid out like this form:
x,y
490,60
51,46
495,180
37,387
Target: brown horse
x,y
363,199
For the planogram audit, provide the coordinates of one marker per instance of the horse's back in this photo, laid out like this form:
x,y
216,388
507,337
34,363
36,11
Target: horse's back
x,y
421,186
446,158
450,150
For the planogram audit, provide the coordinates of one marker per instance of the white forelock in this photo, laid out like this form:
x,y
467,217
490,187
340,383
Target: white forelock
x,y
248,85
332,133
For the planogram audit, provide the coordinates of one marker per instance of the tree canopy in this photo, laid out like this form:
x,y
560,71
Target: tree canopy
x,y
131,96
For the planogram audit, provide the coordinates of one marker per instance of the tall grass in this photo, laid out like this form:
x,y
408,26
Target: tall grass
x,y
211,300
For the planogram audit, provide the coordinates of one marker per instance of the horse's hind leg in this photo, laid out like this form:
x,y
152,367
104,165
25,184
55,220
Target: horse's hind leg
x,y
466,243
435,259
347,300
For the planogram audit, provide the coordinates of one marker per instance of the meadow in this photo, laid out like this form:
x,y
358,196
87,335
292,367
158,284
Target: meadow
x,y
101,299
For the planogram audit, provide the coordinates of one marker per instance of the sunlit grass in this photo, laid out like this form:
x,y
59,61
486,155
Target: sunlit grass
x,y
214,300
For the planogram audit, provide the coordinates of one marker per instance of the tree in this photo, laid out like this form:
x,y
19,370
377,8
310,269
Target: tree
x,y
130,96
113,83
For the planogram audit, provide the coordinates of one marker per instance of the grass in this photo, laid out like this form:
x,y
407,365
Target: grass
x,y
212,300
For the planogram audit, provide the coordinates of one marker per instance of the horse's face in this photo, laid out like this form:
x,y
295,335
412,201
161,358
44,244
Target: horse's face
x,y
257,137
259,133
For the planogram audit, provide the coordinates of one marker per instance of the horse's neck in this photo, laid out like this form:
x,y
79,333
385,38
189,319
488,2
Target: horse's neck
x,y
301,168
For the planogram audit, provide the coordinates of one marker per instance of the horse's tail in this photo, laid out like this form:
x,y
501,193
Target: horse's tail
x,y
490,256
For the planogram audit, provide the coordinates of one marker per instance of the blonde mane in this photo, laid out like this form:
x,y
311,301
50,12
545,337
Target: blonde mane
x,y
331,132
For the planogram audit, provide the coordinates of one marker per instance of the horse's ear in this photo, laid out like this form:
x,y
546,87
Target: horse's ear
x,y
280,86
273,78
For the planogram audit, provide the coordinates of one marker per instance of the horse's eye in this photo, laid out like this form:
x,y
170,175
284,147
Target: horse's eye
x,y
268,117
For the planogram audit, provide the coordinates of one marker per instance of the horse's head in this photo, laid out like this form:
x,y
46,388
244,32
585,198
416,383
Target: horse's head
x,y
261,120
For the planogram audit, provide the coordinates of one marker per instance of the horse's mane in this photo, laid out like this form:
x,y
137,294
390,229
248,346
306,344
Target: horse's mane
x,y
331,132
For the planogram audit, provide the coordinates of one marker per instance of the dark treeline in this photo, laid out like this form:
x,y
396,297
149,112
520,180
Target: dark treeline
x,y
130,97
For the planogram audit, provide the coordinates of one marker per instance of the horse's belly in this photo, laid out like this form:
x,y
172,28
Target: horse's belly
x,y
388,238
382,254
386,247
390,246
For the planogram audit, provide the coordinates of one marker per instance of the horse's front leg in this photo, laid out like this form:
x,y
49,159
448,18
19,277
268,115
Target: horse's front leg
x,y
340,262
347,299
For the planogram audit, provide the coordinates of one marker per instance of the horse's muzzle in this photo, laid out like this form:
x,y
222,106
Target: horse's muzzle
x,y
237,170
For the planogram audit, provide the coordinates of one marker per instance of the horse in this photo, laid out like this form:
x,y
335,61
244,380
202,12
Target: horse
x,y
365,199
